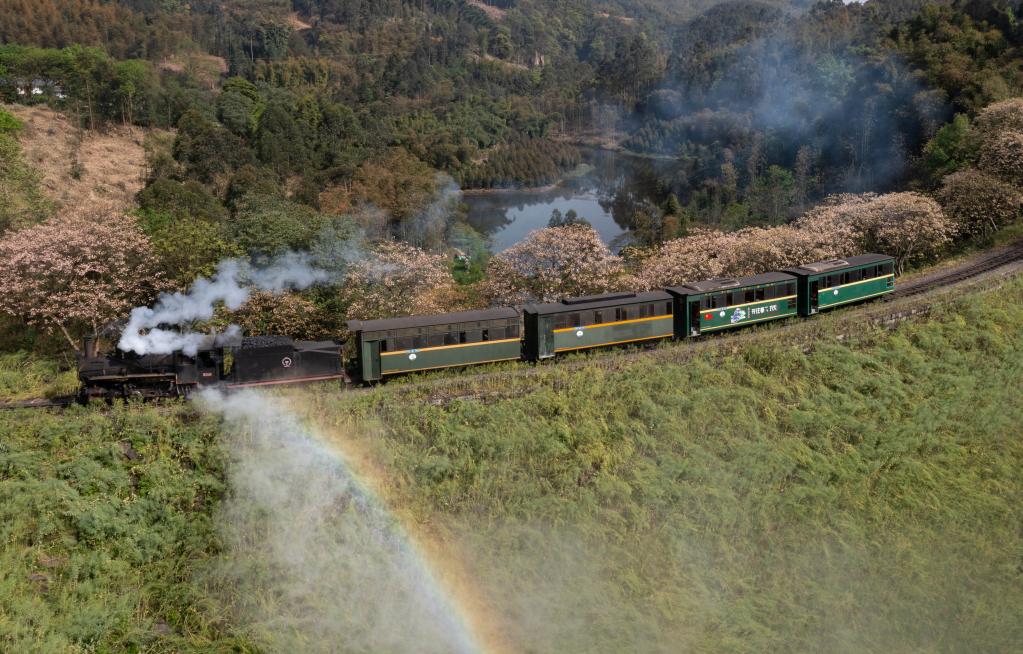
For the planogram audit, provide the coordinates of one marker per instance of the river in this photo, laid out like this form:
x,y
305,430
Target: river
x,y
606,195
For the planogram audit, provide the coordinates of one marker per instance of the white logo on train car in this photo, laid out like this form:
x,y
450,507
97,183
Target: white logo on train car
x,y
738,316
835,292
757,311
579,333
286,362
413,356
722,314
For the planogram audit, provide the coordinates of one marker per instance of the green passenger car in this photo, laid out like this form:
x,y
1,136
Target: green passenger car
x,y
596,321
399,345
720,304
827,284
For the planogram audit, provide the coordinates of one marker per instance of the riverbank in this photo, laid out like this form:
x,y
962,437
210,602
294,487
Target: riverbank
x,y
581,170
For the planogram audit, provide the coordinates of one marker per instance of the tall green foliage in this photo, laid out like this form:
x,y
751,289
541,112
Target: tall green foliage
x,y
22,201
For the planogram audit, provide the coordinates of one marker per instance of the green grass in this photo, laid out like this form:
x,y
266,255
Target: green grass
x,y
25,376
105,522
862,496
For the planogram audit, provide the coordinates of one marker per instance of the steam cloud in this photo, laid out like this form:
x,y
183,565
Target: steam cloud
x,y
314,562
231,285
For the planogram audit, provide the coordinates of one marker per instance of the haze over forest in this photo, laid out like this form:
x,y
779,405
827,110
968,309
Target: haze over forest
x,y
760,107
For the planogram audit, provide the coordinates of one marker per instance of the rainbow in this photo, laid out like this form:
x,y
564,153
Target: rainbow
x,y
346,565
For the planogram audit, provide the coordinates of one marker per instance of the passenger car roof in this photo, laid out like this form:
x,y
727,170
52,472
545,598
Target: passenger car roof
x,y
432,320
590,302
837,264
730,283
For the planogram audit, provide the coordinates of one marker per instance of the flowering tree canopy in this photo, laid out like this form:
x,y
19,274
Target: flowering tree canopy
x,y
1000,117
553,263
909,226
979,203
75,273
1002,155
397,280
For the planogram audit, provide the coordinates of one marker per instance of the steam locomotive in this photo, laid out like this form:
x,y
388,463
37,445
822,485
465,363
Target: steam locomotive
x,y
244,362
384,348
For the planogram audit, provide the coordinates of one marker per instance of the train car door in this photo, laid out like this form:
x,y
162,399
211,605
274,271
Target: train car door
x,y
694,317
371,360
545,327
815,285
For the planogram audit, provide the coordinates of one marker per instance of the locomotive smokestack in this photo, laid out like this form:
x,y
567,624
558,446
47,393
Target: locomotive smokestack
x,y
89,347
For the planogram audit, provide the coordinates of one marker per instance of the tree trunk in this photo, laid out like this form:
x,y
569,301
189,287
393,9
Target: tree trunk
x,y
67,335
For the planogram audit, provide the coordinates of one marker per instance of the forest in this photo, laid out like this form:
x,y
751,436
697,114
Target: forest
x,y
783,131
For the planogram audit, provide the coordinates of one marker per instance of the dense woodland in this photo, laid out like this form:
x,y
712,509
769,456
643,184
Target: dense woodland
x,y
347,127
764,105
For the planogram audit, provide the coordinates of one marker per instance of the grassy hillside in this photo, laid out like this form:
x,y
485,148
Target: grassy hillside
x,y
101,168
861,497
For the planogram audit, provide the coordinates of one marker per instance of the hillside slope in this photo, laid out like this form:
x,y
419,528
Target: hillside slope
x,y
82,167
861,497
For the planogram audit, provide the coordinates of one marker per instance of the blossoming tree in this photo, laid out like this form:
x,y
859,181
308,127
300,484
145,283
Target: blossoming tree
x,y
75,273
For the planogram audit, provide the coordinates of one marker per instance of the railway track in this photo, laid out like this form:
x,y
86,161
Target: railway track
x,y
40,403
983,264
942,278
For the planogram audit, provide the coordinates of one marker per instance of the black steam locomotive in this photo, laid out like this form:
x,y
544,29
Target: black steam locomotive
x,y
254,361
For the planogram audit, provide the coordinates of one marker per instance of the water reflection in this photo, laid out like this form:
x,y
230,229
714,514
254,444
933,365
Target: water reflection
x,y
607,196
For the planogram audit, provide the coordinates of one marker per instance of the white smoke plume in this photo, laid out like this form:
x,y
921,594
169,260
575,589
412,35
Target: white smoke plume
x,y
313,561
231,285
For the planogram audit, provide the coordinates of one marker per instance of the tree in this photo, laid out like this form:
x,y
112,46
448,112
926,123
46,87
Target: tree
x,y
188,247
22,202
397,279
278,313
76,272
553,263
701,255
270,224
205,149
182,199
1000,117
1002,156
908,226
978,203
571,217
396,182
954,147
279,142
